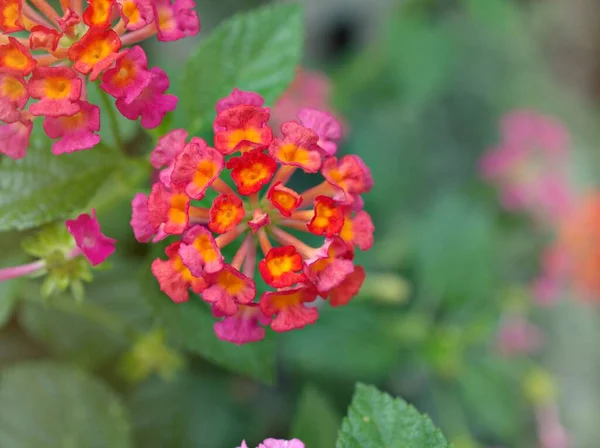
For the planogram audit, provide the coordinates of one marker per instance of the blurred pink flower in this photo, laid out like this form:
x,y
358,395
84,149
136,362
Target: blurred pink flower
x,y
528,165
277,443
551,433
310,90
518,336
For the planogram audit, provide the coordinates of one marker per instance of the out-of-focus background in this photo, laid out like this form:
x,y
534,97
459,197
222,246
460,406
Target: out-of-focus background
x,y
479,121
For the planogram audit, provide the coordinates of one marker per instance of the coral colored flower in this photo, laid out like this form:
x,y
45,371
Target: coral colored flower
x,y
96,246
152,104
196,167
251,171
330,265
200,252
529,165
14,139
289,308
95,51
349,174
76,132
350,286
174,278
358,230
259,220
11,16
243,128
281,266
284,199
142,229
15,58
13,96
299,147
244,326
325,125
136,13
175,20
226,212
168,208
68,21
328,219
57,88
129,77
98,13
295,273
227,289
42,37
168,147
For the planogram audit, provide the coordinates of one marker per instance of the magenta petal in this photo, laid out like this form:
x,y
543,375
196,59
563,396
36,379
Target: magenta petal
x,y
93,243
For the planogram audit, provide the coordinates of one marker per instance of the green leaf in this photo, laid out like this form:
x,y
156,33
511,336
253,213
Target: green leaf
x,y
191,411
256,51
377,420
95,330
315,410
189,325
47,405
43,187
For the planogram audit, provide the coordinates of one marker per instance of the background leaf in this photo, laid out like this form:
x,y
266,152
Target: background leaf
x,y
315,411
375,420
46,405
42,187
256,51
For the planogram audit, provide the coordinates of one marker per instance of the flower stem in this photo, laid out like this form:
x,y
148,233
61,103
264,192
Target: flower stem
x,y
112,117
20,271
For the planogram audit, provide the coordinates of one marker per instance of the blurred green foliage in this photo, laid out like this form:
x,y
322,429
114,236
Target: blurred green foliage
x,y
422,101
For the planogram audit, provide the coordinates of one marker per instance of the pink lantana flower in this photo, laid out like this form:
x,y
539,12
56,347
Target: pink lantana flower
x,y
142,229
325,125
277,443
242,327
175,20
529,165
129,77
77,131
152,104
96,246
14,139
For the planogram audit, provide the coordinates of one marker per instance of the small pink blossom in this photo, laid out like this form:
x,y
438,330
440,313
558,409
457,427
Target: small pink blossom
x,y
143,231
235,98
152,104
96,246
129,77
325,125
277,443
175,20
168,147
76,132
58,90
330,266
242,327
14,139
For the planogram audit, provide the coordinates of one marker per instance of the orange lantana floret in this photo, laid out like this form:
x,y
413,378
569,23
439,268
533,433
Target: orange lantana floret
x,y
328,219
15,58
11,16
251,171
226,212
284,199
95,51
280,266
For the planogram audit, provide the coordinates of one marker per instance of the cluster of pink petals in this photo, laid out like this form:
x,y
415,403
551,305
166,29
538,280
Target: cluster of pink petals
x,y
258,162
90,240
528,166
276,443
53,63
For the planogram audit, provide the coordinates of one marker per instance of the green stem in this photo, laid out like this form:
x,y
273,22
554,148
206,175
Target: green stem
x,y
112,117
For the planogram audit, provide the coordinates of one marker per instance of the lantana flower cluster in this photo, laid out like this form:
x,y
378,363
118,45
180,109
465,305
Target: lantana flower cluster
x,y
62,51
259,212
